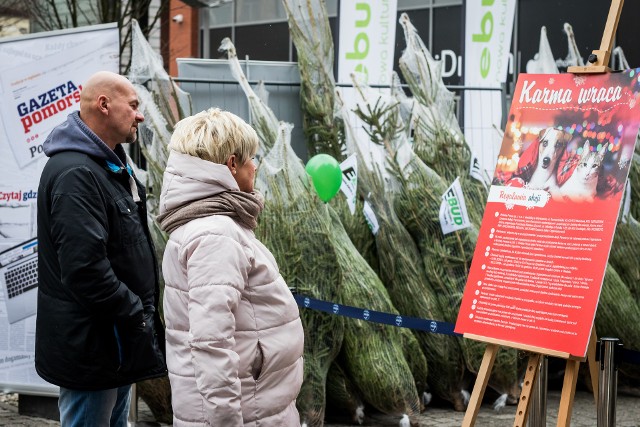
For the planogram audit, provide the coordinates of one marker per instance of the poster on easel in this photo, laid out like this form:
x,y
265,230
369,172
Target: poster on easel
x,y
552,209
40,82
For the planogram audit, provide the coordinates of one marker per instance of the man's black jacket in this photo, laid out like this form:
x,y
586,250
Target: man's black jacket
x,y
97,325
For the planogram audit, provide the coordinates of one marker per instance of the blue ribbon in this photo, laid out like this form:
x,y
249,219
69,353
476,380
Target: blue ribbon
x,y
427,325
630,356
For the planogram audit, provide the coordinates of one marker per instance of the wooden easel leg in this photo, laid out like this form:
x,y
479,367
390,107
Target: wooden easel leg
x,y
594,367
481,384
525,395
568,393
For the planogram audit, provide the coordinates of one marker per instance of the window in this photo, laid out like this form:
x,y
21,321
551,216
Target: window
x,y
265,42
254,11
221,16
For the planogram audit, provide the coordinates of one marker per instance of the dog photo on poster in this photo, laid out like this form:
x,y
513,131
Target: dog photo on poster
x,y
552,209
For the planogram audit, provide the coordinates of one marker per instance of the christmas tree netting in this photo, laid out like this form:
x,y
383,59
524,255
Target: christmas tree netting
x,y
263,119
437,138
401,265
295,231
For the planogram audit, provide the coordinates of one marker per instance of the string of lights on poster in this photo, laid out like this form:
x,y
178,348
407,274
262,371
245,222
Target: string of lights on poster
x,y
552,209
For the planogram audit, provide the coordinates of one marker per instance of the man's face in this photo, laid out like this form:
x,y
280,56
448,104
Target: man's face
x,y
124,115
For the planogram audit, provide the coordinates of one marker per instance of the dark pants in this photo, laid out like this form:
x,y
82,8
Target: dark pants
x,y
104,408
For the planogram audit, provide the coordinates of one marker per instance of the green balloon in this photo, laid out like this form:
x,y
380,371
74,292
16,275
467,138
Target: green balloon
x,y
326,175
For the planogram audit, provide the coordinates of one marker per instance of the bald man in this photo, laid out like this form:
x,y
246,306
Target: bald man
x,y
97,328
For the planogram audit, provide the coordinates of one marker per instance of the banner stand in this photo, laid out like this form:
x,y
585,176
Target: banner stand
x,y
42,75
598,60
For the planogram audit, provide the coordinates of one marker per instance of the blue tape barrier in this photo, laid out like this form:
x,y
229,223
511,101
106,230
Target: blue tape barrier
x,y
433,326
427,325
630,356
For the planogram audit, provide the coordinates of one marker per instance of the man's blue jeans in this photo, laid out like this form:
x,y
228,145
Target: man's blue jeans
x,y
101,408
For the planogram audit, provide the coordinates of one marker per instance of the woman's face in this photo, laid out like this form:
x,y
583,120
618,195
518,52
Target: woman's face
x,y
245,175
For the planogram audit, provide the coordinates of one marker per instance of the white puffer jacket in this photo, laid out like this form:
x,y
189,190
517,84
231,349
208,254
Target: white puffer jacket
x,y
234,336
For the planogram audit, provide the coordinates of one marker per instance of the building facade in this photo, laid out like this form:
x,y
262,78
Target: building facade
x,y
259,29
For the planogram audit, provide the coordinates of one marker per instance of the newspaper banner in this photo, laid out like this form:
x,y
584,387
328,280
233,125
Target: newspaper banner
x,y
40,81
453,210
39,98
349,185
544,242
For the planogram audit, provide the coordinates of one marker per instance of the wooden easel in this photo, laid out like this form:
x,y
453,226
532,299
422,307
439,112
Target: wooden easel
x,y
568,386
598,60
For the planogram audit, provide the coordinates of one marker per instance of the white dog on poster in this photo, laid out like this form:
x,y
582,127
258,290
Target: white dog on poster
x,y
551,145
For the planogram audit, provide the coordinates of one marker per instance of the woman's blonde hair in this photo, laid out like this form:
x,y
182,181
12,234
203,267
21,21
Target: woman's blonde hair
x,y
215,135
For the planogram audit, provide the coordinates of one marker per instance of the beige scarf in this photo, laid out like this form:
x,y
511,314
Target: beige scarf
x,y
241,206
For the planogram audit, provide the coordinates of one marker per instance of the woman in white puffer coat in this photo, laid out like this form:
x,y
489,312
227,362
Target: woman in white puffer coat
x,y
234,336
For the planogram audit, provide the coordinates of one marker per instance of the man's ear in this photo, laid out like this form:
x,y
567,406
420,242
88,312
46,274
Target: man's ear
x,y
103,104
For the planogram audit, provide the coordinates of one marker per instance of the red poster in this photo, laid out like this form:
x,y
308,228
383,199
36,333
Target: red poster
x,y
552,208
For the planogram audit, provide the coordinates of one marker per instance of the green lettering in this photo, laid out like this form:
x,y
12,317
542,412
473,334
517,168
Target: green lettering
x,y
361,68
367,10
485,63
360,40
485,35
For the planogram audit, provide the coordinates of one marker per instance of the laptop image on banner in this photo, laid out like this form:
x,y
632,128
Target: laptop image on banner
x,y
19,279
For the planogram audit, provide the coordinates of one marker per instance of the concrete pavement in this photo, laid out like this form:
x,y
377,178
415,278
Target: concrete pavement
x,y
9,415
583,415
